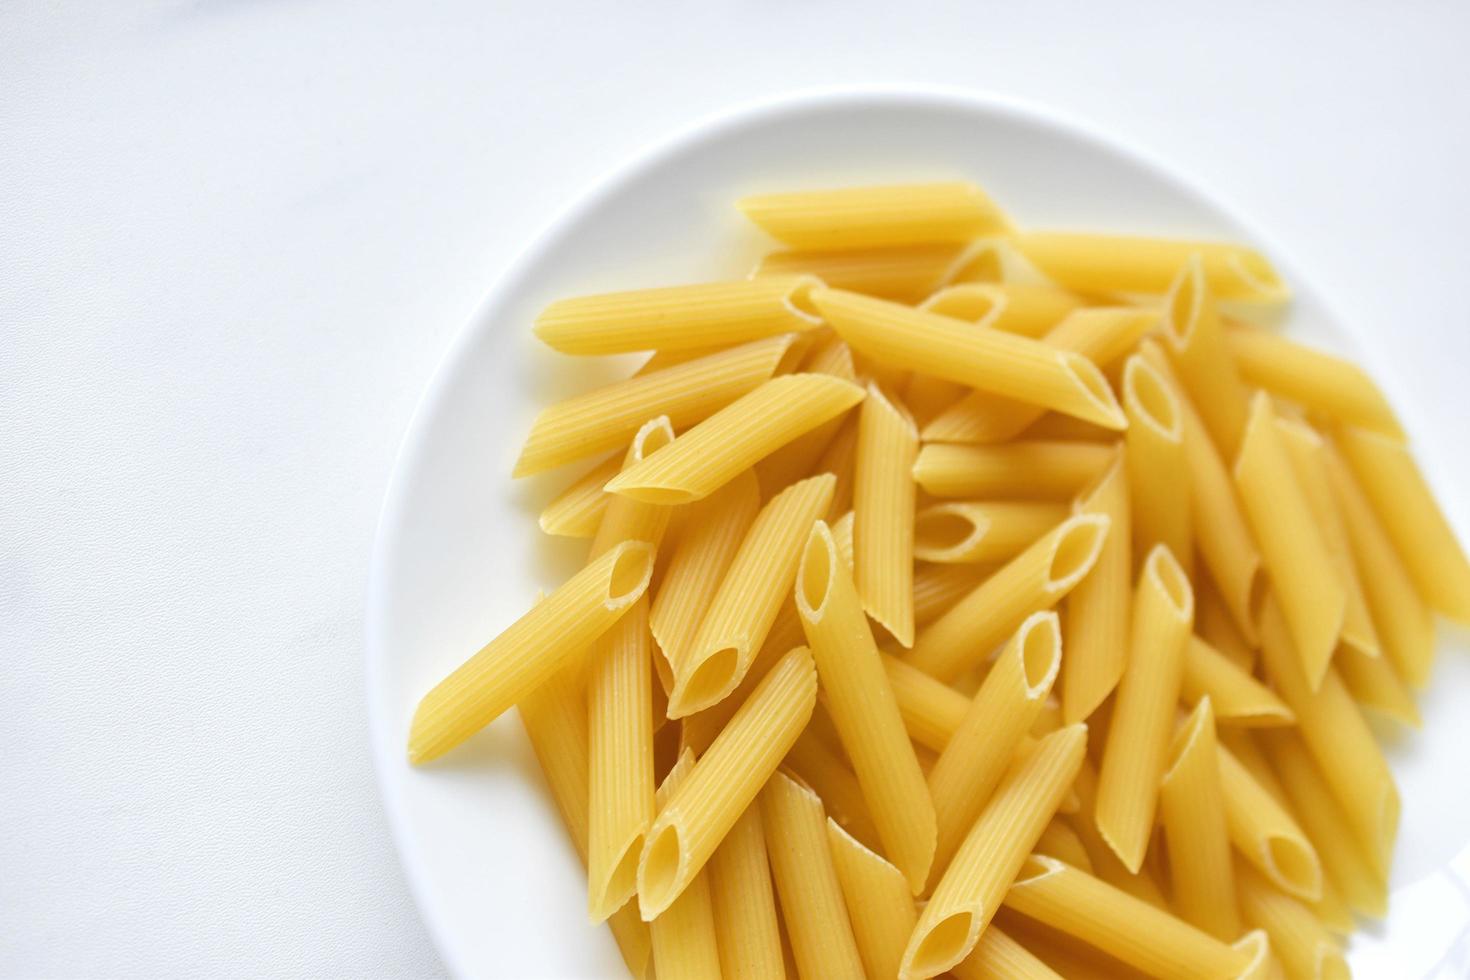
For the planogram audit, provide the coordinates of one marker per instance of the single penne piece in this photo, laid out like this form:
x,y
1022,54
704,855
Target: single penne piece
x,y
1313,379
699,729
990,360
799,457
902,273
1215,625
1192,811
743,609
883,508
1158,474
529,651
706,457
555,720
879,904
1403,623
821,767
577,510
1310,590
607,417
1265,833
1060,841
863,707
938,587
967,896
1066,955
1222,535
1002,711
1263,964
1028,470
684,940
1022,308
1338,739
1037,578
932,710
1092,263
1095,628
1105,863
806,879
1322,817
981,531
1138,737
693,821
1150,939
747,929
1102,334
1301,942
877,216
1236,697
714,528
1406,508
626,519
1375,685
679,317
997,956
1201,359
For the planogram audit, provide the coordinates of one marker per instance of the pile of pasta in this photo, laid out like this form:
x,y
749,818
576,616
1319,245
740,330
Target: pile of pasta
x,y
970,600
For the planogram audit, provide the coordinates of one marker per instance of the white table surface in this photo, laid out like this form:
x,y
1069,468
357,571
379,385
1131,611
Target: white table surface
x,y
236,237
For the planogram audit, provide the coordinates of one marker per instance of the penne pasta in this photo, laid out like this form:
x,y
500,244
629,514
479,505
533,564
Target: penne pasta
x,y
997,956
875,217
806,879
838,459
820,765
932,710
1105,863
684,942
1264,832
1060,841
938,587
625,519
529,651
745,606
1304,947
1263,965
902,273
1201,359
608,417
1092,263
977,531
972,887
747,930
675,318
990,360
1095,628
1312,596
1158,474
577,511
1315,380
1236,697
1022,308
1029,470
1138,737
799,457
700,728
1217,627
1373,683
696,817
977,754
1063,954
879,904
883,509
863,707
1192,811
1037,578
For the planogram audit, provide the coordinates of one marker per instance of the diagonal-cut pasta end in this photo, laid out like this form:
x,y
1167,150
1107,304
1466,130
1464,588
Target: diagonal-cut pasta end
x,y
662,868
632,568
1292,864
798,299
1331,964
1260,965
1148,400
1163,573
1075,545
1258,277
1095,401
1185,303
713,674
666,494
981,261
972,302
819,560
1039,645
1200,721
936,948
618,884
949,532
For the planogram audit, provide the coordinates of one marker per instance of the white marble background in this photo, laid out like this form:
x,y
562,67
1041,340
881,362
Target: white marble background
x,y
235,237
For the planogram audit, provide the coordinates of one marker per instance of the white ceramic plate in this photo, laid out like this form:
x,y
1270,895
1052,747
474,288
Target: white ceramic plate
x,y
459,555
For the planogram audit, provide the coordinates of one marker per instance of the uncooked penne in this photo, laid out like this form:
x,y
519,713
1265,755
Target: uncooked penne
x,y
1022,308
1302,944
981,531
820,765
1060,841
883,514
1092,263
1192,811
990,360
799,457
1313,379
1025,470
1264,832
1095,629
679,317
1237,698
903,273
879,904
1375,685
684,941
877,216
997,956
1158,474
1201,359
626,519
932,710
938,587
530,650
747,929
577,510
1037,578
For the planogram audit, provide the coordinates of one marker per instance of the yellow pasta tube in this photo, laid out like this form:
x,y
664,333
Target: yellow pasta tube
x,y
1001,712
693,821
699,729
1304,946
1313,379
883,509
1312,595
875,217
620,709
879,904
1105,863
903,273
995,849
863,707
990,360
747,932
1060,841
1192,810
838,459
799,457
1029,470
706,457
1339,741
820,765
1322,817
1201,359
607,417
1138,738
1217,627
1092,263
625,519
1066,955
1265,833
679,317
1022,308
981,531
1095,628
1375,686
1244,746
938,587
1400,618
529,651
1263,965
806,879
1236,697
932,710
1407,509
744,607
577,510
997,956
1158,474
1102,334
1037,578
684,942
1222,536
1120,925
